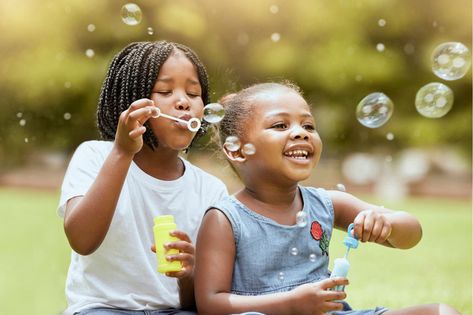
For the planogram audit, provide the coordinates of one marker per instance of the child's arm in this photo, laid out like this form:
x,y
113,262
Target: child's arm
x,y
87,218
215,254
374,223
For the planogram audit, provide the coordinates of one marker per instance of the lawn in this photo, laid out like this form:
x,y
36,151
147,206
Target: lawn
x,y
35,258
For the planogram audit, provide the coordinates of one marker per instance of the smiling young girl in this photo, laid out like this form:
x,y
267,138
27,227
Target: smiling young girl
x,y
113,189
250,254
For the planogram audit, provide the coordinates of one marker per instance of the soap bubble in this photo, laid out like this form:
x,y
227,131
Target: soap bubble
x,y
27,140
434,100
381,22
90,53
374,110
301,219
294,251
131,14
213,113
19,114
274,9
281,276
380,47
312,257
67,116
248,149
275,37
340,187
67,85
91,27
150,31
390,136
451,60
232,143
22,122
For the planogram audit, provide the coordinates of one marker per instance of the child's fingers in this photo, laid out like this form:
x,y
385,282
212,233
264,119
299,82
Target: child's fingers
x,y
182,246
135,133
153,248
377,229
333,282
359,224
181,235
184,258
141,115
333,295
385,233
185,272
143,102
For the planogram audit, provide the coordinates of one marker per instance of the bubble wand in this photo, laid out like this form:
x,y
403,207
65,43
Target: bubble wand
x,y
192,124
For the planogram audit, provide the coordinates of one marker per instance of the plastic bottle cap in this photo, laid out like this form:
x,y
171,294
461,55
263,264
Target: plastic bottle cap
x,y
349,240
162,219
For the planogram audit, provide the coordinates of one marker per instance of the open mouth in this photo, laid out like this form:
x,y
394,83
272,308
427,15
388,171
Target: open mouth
x,y
297,154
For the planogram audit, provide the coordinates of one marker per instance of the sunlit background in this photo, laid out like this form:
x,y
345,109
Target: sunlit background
x,y
54,55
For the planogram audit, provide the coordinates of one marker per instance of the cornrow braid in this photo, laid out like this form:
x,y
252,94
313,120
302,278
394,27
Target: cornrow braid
x,y
131,76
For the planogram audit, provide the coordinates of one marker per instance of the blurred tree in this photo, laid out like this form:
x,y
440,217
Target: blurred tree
x,y
50,85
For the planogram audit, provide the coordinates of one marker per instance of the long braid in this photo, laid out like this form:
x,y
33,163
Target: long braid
x,y
131,76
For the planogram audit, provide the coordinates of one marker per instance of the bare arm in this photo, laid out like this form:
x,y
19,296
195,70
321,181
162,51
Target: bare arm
x,y
87,218
215,254
374,223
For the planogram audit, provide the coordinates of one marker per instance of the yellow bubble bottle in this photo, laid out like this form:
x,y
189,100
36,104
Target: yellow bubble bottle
x,y
164,224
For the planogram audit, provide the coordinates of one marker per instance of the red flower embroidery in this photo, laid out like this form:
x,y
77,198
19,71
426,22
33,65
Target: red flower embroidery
x,y
316,230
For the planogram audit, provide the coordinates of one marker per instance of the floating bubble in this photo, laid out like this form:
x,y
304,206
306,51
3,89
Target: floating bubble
x,y
19,114
275,37
150,31
27,140
451,60
91,27
409,48
90,53
274,9
67,116
434,100
312,257
232,143
131,14
22,122
340,187
301,219
388,159
380,47
374,110
381,22
248,149
390,136
281,276
67,85
213,113
294,251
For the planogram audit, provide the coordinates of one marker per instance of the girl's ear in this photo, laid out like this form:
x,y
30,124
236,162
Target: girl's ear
x,y
234,156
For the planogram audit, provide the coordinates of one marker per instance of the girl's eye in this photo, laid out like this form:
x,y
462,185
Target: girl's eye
x,y
309,127
164,92
193,94
279,126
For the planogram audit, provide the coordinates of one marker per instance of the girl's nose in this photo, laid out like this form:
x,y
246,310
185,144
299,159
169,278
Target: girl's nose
x,y
182,104
298,133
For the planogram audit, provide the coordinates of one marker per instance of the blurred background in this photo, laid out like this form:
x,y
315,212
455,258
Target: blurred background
x,y
54,56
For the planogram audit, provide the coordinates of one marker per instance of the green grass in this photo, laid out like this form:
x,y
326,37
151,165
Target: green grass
x,y
35,258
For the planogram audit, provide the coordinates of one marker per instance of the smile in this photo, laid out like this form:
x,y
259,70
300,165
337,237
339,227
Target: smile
x,y
297,154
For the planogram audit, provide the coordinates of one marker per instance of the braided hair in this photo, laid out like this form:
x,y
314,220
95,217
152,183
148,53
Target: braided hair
x,y
132,75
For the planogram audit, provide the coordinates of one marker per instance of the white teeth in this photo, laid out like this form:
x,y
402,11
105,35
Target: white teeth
x,y
298,154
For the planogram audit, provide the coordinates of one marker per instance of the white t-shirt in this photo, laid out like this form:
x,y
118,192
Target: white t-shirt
x,y
122,272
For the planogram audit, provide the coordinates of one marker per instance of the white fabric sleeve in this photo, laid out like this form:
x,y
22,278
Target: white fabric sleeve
x,y
83,168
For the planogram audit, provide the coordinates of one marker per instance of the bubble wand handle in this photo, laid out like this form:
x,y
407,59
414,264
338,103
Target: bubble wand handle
x,y
193,124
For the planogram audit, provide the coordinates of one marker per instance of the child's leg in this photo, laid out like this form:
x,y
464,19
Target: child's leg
x,y
427,309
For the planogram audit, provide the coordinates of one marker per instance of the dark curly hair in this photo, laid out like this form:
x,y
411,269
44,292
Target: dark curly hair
x,y
132,75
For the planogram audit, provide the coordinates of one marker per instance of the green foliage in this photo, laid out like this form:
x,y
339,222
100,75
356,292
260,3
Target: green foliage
x,y
327,47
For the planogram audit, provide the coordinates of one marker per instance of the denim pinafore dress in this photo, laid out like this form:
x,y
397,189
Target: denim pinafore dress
x,y
272,257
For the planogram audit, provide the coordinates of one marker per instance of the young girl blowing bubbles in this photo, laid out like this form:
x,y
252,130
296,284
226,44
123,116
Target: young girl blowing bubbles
x,y
243,253
113,189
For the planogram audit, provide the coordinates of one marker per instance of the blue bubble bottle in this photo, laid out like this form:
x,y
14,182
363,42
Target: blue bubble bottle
x,y
341,265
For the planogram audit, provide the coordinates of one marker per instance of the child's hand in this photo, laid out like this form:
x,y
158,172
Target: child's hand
x,y
372,226
185,255
130,129
316,298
